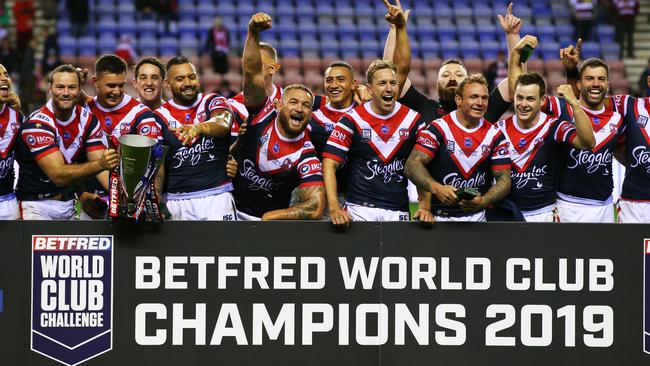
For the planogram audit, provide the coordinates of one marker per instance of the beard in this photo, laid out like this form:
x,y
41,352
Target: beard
x,y
185,99
447,95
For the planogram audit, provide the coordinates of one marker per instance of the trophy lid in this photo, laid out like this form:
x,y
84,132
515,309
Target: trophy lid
x,y
132,140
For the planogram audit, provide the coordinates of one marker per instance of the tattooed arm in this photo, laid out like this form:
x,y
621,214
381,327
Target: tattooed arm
x,y
312,202
496,193
417,172
254,89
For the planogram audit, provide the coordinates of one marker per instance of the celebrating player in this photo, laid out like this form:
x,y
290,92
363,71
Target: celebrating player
x,y
197,130
10,121
118,114
585,188
51,147
148,81
457,157
376,138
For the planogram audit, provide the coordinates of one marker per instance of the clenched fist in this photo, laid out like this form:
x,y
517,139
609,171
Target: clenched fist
x,y
259,23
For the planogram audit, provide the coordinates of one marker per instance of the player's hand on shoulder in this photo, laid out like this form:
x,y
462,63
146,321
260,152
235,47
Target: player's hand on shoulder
x,y
446,195
424,216
260,22
109,160
340,217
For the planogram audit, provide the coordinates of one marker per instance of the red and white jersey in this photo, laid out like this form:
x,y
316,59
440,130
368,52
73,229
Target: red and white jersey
x,y
10,122
242,114
376,148
322,122
42,135
462,157
130,116
636,186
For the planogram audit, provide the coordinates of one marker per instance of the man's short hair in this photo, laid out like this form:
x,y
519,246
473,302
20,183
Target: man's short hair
x,y
532,78
453,61
110,64
177,60
270,49
299,87
593,63
471,79
343,64
65,68
151,61
379,65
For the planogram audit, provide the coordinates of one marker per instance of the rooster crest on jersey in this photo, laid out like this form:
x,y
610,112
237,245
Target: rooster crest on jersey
x,y
72,292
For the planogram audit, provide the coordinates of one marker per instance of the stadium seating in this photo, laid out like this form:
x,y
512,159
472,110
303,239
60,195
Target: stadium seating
x,y
309,29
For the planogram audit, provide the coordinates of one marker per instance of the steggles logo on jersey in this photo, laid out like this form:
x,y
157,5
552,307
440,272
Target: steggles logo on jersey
x,y
457,181
646,296
521,179
641,157
72,291
193,154
5,166
256,182
592,161
386,171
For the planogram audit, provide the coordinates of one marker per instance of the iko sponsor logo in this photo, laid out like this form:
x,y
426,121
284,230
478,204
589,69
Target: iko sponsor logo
x,y
255,182
641,157
591,161
386,172
457,181
193,154
521,179
72,296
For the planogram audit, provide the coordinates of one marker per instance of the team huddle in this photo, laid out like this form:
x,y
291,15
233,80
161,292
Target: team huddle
x,y
272,153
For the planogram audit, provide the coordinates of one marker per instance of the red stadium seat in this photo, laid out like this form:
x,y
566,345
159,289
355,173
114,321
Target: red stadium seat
x,y
536,66
234,63
311,64
291,63
554,66
432,64
473,65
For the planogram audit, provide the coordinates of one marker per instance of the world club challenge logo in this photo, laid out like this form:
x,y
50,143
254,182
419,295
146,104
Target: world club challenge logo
x,y
646,296
72,296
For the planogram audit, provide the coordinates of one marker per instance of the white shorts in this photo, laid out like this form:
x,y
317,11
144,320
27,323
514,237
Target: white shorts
x,y
477,217
633,212
364,213
578,212
246,217
544,214
9,207
218,207
47,210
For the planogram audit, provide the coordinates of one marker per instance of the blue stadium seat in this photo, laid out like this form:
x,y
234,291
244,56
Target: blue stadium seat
x,y
87,46
606,33
590,49
67,45
450,49
168,46
306,10
289,48
441,11
430,48
546,33
324,8
446,33
329,48
489,50
481,11
106,43
550,50
107,25
470,49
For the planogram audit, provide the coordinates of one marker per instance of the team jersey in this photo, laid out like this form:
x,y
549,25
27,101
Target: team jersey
x,y
128,117
536,156
271,166
587,175
242,114
322,122
42,135
636,186
376,148
462,157
200,167
10,122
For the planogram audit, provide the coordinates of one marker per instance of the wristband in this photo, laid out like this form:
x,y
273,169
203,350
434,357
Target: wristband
x,y
572,74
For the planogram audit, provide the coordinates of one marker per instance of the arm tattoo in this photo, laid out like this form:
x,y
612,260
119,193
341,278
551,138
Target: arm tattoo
x,y
417,172
500,188
312,203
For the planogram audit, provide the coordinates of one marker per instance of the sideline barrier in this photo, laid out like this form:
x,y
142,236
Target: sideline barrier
x,y
197,293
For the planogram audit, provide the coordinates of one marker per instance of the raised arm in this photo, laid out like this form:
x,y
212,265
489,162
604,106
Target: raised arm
x,y
390,48
217,126
402,53
570,56
310,207
254,89
585,139
515,67
511,26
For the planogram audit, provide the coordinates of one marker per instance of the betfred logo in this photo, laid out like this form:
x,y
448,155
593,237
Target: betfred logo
x,y
72,292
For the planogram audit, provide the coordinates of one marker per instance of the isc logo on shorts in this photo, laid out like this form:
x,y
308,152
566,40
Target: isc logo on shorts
x,y
72,291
